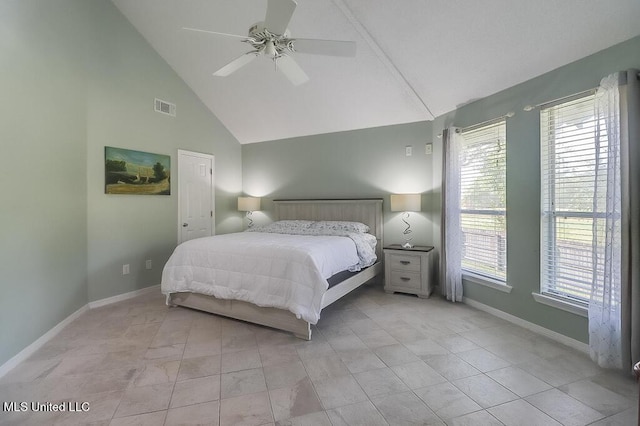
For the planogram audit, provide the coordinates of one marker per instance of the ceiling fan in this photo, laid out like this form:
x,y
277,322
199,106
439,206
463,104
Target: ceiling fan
x,y
272,39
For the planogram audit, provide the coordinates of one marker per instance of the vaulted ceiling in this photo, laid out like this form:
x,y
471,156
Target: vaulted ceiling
x,y
416,59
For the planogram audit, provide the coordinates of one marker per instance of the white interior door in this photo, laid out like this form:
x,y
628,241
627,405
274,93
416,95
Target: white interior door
x,y
195,195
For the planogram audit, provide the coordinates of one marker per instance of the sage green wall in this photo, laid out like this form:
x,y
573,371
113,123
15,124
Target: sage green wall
x,y
75,76
369,163
125,75
523,179
43,214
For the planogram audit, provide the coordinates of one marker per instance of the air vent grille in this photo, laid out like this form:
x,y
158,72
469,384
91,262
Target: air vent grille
x,y
164,107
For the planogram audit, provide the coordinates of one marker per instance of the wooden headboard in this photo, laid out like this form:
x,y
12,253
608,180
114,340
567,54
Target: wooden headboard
x,y
367,211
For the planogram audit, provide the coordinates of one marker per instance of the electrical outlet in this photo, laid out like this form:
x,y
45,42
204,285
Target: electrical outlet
x,y
408,150
428,148
125,269
148,264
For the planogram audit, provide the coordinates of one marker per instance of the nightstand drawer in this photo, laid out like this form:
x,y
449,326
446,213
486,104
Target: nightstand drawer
x,y
404,262
408,280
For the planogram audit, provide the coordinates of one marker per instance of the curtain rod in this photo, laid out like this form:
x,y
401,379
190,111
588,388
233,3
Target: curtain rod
x,y
531,108
623,80
562,99
568,98
486,123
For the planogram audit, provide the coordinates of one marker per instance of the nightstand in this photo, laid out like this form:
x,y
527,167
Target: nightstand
x,y
407,270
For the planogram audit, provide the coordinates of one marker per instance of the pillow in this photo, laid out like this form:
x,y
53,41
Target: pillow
x,y
294,222
341,225
283,226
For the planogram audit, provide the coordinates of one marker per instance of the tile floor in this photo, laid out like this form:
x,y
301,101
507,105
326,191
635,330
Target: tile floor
x,y
375,359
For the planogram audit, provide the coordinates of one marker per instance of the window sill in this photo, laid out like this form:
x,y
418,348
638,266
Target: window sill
x,y
487,282
558,303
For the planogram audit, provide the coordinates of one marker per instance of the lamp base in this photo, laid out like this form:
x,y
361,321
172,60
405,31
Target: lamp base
x,y
407,245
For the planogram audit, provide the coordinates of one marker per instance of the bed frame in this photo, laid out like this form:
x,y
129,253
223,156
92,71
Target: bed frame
x,y
367,211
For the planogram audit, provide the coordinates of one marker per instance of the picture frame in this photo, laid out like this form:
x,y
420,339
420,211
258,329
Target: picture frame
x,y
133,172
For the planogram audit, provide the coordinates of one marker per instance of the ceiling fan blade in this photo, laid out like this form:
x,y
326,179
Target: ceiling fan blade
x,y
279,14
292,70
325,47
213,32
236,64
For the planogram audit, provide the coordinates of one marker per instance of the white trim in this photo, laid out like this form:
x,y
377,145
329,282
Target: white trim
x,y
560,338
558,303
487,282
32,348
121,297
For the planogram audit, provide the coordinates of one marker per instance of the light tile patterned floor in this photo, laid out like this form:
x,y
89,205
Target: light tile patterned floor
x,y
375,359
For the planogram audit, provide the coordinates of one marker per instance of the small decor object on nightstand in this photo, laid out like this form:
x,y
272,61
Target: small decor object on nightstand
x,y
407,270
406,203
249,205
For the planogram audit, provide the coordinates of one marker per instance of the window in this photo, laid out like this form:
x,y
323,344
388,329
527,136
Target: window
x,y
483,200
568,158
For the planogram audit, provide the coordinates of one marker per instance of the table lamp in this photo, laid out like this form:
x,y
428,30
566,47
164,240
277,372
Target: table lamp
x,y
406,203
249,205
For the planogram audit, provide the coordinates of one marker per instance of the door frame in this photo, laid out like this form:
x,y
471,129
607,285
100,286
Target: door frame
x,y
211,157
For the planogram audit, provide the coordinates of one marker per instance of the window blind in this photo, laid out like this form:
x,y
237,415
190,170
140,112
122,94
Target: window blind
x,y
568,172
483,201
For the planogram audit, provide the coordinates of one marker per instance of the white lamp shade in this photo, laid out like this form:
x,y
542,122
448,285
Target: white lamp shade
x,y
248,204
405,203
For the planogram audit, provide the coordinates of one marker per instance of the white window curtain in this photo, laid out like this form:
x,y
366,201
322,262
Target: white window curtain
x,y
614,306
605,314
451,257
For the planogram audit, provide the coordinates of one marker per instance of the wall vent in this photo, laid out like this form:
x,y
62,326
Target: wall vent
x,y
164,107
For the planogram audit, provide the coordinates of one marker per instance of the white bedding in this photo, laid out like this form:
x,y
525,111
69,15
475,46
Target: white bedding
x,y
267,269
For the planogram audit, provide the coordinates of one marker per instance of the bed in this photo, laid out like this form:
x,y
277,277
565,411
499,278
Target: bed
x,y
228,302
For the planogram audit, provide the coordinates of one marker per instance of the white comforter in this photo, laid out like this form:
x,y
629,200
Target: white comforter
x,y
267,269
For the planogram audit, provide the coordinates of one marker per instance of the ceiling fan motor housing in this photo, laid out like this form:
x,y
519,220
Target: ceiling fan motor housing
x,y
264,41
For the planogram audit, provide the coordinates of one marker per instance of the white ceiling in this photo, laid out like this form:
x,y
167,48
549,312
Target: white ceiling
x,y
416,59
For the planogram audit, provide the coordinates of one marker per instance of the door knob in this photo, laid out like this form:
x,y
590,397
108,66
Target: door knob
x,y
184,225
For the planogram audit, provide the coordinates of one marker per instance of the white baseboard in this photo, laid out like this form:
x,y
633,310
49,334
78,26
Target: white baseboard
x,y
560,338
121,297
32,348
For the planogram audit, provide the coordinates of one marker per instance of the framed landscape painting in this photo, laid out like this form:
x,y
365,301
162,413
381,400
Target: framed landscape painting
x,y
136,172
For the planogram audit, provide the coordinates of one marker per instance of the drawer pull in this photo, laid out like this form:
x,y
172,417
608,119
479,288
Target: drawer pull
x,y
405,279
405,262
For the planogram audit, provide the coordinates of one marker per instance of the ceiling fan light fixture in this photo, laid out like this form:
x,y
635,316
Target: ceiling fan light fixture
x,y
270,49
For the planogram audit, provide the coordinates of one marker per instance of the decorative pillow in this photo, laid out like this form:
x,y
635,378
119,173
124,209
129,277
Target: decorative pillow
x,y
293,222
340,225
285,226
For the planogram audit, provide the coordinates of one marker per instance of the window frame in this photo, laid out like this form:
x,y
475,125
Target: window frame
x,y
550,293
485,278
